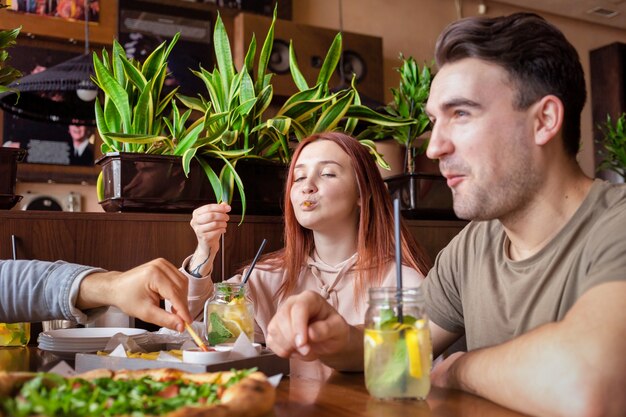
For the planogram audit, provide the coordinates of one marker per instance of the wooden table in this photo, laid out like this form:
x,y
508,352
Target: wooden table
x,y
340,395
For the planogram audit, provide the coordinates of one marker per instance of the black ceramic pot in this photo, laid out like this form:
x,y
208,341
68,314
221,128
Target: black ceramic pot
x,y
157,183
9,158
422,195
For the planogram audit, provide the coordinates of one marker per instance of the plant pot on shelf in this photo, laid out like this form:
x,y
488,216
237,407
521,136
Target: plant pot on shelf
x,y
9,158
423,196
156,183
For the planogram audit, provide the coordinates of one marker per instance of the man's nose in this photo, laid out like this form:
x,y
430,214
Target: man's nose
x,y
439,144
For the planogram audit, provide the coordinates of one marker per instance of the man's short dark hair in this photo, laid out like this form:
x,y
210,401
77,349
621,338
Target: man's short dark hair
x,y
537,56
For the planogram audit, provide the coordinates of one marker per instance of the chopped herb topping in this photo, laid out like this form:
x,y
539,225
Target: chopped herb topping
x,y
54,396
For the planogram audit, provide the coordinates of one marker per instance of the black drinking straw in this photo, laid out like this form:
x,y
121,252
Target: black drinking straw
x,y
396,217
256,257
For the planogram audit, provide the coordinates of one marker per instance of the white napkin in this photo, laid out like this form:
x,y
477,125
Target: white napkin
x,y
63,369
275,380
119,352
242,348
121,339
167,357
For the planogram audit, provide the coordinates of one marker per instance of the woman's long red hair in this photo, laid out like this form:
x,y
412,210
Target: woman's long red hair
x,y
376,243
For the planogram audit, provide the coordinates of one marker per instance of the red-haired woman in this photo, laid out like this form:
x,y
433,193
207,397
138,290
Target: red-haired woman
x,y
339,236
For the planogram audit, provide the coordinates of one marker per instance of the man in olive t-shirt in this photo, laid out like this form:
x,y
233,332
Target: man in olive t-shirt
x,y
537,281
477,289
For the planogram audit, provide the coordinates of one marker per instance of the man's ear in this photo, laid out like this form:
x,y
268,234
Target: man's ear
x,y
548,118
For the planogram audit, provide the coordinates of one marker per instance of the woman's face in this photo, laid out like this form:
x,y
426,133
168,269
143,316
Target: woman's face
x,y
324,194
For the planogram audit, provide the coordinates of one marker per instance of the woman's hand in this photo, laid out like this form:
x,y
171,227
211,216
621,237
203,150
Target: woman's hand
x,y
209,223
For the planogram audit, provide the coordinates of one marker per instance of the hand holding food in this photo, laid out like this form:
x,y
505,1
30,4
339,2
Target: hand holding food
x,y
209,224
143,289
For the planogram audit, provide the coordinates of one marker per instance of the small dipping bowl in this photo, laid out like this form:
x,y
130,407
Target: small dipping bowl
x,y
205,358
227,347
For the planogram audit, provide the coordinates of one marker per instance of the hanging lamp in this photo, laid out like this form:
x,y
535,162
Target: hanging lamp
x,y
60,94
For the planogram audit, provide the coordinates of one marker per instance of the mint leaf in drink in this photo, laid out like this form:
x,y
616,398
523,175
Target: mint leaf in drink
x,y
389,320
219,333
396,370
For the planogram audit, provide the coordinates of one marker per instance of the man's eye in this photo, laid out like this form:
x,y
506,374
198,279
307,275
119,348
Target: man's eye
x,y
460,113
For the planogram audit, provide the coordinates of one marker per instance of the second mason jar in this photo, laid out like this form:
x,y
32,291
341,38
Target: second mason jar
x,y
228,313
14,334
397,344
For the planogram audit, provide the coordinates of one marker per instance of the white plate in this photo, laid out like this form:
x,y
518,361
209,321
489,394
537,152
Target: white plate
x,y
91,333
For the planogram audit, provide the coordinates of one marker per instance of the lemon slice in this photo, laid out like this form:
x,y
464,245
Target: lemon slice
x,y
233,327
372,338
413,350
237,301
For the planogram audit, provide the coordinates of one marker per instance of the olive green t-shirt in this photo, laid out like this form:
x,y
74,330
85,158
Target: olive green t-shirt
x,y
476,289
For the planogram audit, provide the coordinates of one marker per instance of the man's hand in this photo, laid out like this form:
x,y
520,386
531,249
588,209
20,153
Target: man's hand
x,y
138,293
209,223
443,374
308,328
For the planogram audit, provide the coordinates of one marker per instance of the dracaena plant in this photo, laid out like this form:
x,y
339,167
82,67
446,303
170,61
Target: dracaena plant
x,y
130,119
614,145
318,109
136,114
408,103
231,114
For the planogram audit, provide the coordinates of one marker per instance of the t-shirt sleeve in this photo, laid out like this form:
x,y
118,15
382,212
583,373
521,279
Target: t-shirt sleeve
x,y
606,250
442,288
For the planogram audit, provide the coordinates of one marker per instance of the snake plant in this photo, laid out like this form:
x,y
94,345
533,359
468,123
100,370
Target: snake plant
x,y
409,100
230,122
614,145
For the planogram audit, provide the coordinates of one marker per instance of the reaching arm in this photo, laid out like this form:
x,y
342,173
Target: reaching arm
x,y
138,293
575,367
209,224
309,328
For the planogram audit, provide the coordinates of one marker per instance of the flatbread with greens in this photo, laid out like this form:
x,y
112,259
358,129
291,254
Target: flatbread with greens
x,y
151,392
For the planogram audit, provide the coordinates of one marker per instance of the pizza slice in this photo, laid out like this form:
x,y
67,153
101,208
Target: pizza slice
x,y
151,392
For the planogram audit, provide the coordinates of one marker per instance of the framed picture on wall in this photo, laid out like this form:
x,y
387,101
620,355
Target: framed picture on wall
x,y
63,19
56,152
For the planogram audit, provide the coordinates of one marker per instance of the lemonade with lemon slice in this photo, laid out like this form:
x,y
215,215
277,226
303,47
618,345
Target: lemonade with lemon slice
x,y
397,353
14,334
229,313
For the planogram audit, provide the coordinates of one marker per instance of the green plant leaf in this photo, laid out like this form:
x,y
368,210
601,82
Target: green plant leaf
x,y
193,103
134,138
143,112
248,61
333,114
223,55
296,74
266,51
189,138
374,152
187,157
330,62
134,75
216,185
366,114
117,67
114,91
